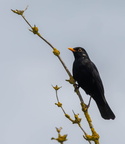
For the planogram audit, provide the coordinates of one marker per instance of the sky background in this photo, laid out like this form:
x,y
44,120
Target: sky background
x,y
28,114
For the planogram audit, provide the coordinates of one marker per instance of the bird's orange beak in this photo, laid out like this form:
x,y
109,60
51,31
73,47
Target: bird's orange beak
x,y
71,49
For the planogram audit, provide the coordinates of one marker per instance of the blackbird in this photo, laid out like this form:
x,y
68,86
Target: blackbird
x,y
88,78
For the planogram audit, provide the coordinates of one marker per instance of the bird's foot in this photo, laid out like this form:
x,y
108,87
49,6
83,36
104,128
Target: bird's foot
x,y
89,102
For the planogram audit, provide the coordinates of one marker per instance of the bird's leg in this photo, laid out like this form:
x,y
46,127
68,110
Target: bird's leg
x,y
89,102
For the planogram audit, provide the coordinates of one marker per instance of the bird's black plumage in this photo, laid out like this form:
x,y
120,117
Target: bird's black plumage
x,y
88,78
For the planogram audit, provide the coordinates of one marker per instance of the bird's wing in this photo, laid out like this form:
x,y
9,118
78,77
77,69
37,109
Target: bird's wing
x,y
96,76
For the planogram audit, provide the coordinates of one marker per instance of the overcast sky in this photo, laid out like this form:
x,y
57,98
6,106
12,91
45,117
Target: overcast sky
x,y
28,114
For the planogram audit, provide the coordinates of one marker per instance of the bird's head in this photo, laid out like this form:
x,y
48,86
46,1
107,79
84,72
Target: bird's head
x,y
79,52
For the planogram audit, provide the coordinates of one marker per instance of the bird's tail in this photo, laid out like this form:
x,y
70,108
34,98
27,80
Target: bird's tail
x,y
105,110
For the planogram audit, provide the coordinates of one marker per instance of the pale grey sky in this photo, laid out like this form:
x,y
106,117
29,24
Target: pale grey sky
x,y
28,114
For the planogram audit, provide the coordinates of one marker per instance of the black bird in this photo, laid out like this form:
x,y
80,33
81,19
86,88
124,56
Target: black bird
x,y
88,78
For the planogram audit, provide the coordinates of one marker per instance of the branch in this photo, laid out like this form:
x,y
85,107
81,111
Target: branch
x,y
94,137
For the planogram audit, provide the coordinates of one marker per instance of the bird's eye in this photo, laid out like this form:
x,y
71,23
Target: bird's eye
x,y
80,50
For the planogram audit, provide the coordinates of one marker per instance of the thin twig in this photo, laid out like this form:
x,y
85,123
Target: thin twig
x,y
65,67
46,41
26,21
